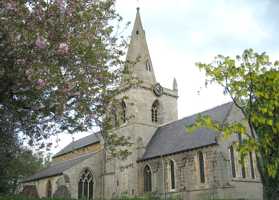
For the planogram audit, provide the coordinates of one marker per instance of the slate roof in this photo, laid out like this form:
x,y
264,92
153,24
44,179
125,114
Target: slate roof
x,y
173,138
58,168
85,141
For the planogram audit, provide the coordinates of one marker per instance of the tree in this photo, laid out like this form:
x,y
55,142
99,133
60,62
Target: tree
x,y
252,82
17,164
60,63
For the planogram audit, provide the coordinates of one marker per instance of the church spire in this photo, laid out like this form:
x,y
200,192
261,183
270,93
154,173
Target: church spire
x,y
138,57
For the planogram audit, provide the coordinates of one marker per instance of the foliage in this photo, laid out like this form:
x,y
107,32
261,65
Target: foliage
x,y
120,198
252,82
28,198
16,164
60,64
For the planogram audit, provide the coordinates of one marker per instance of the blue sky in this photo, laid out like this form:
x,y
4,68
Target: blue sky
x,y
182,32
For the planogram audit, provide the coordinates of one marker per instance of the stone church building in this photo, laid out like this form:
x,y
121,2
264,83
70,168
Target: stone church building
x,y
165,160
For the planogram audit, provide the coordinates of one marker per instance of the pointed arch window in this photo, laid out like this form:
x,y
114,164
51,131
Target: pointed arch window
x,y
148,66
232,156
154,111
49,189
114,117
252,165
86,185
147,179
201,166
172,174
124,111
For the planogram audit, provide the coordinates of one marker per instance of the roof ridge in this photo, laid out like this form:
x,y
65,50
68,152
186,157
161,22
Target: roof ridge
x,y
61,152
167,123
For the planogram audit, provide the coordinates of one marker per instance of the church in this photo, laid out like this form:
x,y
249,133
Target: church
x,y
165,160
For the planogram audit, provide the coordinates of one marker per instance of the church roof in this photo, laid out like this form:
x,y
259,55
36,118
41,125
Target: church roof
x,y
85,141
173,138
57,169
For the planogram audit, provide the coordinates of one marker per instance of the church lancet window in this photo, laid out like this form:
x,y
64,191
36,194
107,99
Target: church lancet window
x,y
201,167
86,185
154,111
148,66
243,160
252,165
232,157
124,111
48,189
147,179
114,117
172,174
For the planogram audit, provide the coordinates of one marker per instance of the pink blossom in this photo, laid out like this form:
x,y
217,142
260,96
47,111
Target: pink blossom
x,y
67,87
41,42
40,83
39,12
61,4
11,5
63,48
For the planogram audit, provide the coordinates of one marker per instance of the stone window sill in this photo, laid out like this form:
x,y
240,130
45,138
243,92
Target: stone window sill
x,y
246,180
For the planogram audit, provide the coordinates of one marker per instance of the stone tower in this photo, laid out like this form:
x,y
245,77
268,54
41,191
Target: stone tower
x,y
149,105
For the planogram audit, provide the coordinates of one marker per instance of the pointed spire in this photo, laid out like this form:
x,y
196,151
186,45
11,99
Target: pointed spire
x,y
174,84
138,57
138,28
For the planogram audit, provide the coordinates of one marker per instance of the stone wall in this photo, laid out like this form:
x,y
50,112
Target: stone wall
x,y
218,180
41,185
96,165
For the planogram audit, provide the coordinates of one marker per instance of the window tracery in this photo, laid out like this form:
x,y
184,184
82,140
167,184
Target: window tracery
x,y
86,185
147,179
155,111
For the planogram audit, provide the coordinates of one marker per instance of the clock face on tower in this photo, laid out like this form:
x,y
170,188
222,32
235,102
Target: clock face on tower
x,y
158,89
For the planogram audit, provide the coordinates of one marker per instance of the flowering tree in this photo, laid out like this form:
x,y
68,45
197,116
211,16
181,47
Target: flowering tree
x,y
59,68
59,65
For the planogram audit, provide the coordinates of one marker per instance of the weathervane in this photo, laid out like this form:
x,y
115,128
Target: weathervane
x,y
138,4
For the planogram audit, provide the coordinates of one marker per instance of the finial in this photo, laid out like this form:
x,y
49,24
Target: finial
x,y
174,84
138,7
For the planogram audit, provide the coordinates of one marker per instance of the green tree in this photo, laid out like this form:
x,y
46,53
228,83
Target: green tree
x,y
252,82
18,164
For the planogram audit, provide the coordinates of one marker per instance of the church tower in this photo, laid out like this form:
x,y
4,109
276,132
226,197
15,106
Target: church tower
x,y
147,105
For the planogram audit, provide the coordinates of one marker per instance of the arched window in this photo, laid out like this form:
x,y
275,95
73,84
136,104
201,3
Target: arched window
x,y
154,111
252,165
48,189
114,117
147,179
86,185
201,167
148,66
243,168
232,156
124,111
172,175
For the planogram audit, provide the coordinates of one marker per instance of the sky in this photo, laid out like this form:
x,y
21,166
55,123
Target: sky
x,y
182,32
